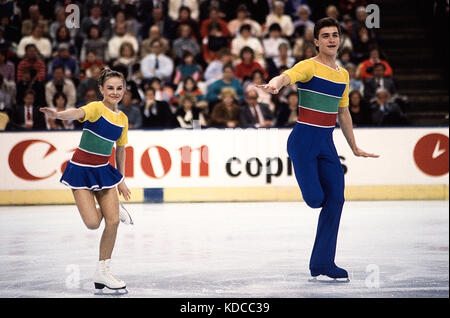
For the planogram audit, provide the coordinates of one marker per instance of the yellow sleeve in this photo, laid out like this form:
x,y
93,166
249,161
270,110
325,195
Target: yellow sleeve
x,y
92,112
123,140
303,71
344,102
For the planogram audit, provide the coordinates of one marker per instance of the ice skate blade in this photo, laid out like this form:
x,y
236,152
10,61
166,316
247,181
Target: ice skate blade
x,y
328,280
109,291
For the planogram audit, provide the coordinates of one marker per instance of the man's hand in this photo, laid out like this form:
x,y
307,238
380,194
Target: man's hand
x,y
361,153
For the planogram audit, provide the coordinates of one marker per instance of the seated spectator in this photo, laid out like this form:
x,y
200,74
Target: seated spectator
x,y
213,42
213,71
190,87
10,31
175,6
163,93
131,24
188,114
345,57
7,95
309,51
245,39
60,83
132,111
214,17
359,109
165,24
242,17
35,19
156,114
257,78
283,20
60,102
90,82
96,18
226,111
127,56
379,80
32,60
185,42
254,114
362,45
287,113
302,42
303,22
157,64
283,59
365,68
354,83
154,33
95,43
63,59
188,68
63,37
332,11
121,36
228,80
88,63
29,82
244,70
42,44
60,20
272,43
385,112
26,115
7,68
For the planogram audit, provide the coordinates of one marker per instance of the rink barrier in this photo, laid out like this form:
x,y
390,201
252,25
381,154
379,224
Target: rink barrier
x,y
238,194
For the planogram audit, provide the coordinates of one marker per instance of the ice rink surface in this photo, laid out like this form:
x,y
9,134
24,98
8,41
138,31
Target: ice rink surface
x,y
390,249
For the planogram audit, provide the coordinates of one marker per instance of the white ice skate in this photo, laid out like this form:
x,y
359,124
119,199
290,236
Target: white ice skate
x,y
124,215
103,278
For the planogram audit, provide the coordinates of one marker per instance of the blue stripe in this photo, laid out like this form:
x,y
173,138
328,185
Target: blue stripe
x,y
323,86
104,128
155,195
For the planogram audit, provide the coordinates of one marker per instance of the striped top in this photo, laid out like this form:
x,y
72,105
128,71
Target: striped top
x,y
321,90
102,128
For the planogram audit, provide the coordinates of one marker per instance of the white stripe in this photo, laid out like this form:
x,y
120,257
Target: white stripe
x,y
308,90
83,165
315,125
320,111
93,188
99,135
94,153
111,122
329,80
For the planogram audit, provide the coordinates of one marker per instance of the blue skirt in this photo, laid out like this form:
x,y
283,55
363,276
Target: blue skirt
x,y
90,178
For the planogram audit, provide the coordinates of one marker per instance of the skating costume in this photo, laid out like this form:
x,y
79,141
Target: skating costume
x,y
89,167
322,90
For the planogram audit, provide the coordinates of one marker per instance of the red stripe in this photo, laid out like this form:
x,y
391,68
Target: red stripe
x,y
316,118
86,158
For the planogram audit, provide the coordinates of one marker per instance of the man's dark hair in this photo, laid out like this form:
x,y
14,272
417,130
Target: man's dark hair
x,y
326,22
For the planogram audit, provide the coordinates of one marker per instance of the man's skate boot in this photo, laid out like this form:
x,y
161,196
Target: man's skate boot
x,y
124,215
103,277
334,272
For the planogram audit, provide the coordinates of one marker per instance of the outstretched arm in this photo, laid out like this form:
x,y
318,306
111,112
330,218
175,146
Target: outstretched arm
x,y
68,114
275,84
345,121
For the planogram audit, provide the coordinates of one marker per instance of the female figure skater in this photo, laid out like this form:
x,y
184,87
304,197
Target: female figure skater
x,y
323,96
89,174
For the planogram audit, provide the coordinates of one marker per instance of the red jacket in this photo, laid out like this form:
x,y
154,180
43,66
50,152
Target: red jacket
x,y
246,69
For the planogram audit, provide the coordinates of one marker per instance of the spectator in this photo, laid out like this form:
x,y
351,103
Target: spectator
x,y
28,82
359,109
190,87
362,44
379,80
127,56
184,17
365,69
96,43
248,65
245,39
7,95
88,63
228,80
257,78
309,51
354,83
302,42
60,20
175,6
214,17
213,71
127,8
287,113
254,114
10,31
132,111
35,19
156,114
120,37
259,9
226,112
163,93
63,37
156,64
131,25
345,57
154,33
60,102
89,83
31,60
385,112
185,42
60,83
283,20
303,22
361,16
165,24
213,42
42,44
188,114
284,58
332,11
7,68
26,115
64,59
5,45
96,18
274,40
187,69
242,17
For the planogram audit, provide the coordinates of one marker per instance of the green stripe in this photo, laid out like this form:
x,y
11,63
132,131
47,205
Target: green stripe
x,y
318,101
95,144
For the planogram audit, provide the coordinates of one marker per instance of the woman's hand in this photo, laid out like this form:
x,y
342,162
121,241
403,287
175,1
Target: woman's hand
x,y
124,191
50,112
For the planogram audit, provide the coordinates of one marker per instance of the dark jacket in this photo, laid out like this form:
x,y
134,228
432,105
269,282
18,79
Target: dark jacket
x,y
18,118
370,87
248,120
159,116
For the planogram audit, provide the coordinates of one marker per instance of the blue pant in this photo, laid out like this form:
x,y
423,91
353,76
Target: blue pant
x,y
320,176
